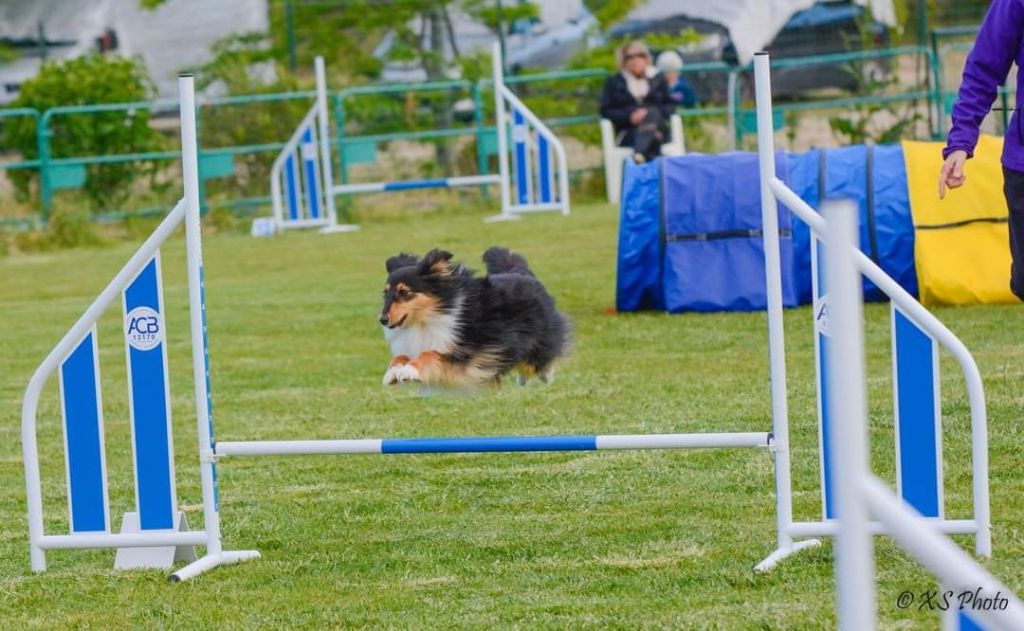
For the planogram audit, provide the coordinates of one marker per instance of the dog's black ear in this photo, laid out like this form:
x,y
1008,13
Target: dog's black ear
x,y
436,262
401,260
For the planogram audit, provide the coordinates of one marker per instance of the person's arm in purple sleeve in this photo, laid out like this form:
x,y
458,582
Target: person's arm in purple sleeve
x,y
997,44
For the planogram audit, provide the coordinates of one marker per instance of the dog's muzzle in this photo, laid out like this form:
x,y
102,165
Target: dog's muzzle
x,y
386,321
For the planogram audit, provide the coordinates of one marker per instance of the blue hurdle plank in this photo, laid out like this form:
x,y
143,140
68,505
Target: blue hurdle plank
x,y
291,192
310,160
416,184
918,416
519,137
963,622
487,444
149,399
545,175
968,624
821,317
82,414
954,618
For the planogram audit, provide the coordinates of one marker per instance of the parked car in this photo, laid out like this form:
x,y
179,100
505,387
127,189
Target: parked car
x,y
829,26
547,41
534,44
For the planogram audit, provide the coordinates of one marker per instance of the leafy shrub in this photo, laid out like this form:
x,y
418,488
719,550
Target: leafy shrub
x,y
88,80
880,122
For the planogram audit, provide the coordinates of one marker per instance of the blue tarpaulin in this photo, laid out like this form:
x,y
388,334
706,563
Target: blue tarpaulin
x,y
639,263
875,178
714,250
690,234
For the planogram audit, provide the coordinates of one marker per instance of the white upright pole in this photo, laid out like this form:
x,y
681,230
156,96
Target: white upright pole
x,y
326,165
33,483
855,560
501,127
215,555
197,312
323,131
776,340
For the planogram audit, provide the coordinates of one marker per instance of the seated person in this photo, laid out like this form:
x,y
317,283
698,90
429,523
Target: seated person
x,y
669,65
637,102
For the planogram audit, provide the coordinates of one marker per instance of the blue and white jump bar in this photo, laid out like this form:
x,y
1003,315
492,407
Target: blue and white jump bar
x,y
301,177
492,444
532,169
539,170
408,185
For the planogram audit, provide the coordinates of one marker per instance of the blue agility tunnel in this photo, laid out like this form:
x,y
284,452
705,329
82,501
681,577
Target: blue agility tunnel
x,y
690,234
876,179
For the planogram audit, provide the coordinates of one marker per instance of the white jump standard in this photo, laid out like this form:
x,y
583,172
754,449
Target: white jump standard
x,y
77,358
302,188
864,505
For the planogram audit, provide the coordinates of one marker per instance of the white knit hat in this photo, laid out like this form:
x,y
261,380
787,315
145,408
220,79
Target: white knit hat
x,y
670,61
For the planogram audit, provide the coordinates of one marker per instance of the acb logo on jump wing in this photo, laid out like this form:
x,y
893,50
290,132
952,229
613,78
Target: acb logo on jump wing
x,y
143,328
822,318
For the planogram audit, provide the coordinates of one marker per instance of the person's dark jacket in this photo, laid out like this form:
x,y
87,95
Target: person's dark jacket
x,y
617,104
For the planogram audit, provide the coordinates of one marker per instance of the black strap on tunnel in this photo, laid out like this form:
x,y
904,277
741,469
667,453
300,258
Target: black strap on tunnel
x,y
742,233
870,193
822,181
961,224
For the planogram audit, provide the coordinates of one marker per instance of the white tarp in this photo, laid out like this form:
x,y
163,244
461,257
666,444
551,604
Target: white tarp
x,y
751,23
175,36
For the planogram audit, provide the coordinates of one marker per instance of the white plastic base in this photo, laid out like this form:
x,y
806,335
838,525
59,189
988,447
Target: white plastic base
x,y
774,558
263,227
210,561
501,217
343,227
161,557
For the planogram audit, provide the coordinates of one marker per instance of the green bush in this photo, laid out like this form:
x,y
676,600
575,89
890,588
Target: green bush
x,y
88,80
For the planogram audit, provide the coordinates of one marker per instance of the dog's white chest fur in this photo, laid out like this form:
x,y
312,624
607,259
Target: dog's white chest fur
x,y
436,334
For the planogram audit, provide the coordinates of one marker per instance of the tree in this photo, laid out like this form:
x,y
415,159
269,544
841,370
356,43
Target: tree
x,y
88,80
419,32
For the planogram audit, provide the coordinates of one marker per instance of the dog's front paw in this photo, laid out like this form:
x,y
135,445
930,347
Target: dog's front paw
x,y
390,378
407,372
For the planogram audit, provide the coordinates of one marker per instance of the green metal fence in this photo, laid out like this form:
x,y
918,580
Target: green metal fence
x,y
957,41
240,135
21,163
922,92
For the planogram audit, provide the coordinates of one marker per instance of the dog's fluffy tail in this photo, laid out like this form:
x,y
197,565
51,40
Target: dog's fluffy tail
x,y
502,261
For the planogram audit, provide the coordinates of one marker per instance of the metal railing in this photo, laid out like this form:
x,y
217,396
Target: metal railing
x,y
925,92
352,134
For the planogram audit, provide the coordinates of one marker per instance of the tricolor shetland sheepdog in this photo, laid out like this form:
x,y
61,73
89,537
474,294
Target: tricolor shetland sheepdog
x,y
448,327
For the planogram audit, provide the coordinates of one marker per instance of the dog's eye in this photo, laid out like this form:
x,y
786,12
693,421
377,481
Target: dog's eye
x,y
403,293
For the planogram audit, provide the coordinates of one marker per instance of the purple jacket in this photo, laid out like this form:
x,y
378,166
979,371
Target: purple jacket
x,y
997,47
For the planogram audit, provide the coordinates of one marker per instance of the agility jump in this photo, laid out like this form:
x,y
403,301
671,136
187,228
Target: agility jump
x,y
302,188
856,504
156,535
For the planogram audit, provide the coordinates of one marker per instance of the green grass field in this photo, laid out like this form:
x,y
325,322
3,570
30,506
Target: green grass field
x,y
627,539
